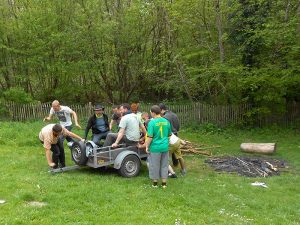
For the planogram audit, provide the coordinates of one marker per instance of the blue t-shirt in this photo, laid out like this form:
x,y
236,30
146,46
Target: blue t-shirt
x,y
100,124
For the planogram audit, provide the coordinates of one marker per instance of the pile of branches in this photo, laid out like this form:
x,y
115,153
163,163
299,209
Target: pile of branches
x,y
247,166
201,149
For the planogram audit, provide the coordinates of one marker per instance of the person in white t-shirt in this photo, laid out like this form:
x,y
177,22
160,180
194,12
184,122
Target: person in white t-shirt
x,y
129,132
63,114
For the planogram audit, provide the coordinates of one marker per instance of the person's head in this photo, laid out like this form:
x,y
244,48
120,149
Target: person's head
x,y
134,108
162,107
124,108
56,105
145,116
98,109
56,130
155,110
116,108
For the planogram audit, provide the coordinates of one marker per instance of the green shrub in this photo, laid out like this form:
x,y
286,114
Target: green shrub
x,y
17,95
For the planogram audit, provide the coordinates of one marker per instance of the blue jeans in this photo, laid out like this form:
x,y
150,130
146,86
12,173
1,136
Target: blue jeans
x,y
96,138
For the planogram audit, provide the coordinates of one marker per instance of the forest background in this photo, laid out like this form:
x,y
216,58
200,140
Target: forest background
x,y
114,51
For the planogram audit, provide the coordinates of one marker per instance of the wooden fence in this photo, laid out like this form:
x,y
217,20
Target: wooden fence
x,y
197,113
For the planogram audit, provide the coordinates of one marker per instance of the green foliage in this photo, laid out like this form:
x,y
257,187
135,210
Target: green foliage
x,y
17,95
208,128
92,196
116,51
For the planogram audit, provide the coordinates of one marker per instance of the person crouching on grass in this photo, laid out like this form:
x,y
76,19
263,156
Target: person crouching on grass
x,y
50,137
157,145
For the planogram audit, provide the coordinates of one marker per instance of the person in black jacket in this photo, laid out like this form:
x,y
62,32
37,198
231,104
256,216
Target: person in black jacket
x,y
99,124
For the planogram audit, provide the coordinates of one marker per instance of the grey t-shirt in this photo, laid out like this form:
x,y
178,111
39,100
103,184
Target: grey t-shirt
x,y
173,119
131,124
63,115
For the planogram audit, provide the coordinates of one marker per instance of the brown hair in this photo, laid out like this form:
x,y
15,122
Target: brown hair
x,y
155,109
57,128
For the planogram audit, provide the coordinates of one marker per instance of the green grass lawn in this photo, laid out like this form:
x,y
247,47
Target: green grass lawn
x,y
91,196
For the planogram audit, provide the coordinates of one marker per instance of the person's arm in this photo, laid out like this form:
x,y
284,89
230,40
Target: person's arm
x,y
75,119
73,135
182,142
119,138
65,133
51,113
88,127
111,124
143,129
48,157
148,142
48,118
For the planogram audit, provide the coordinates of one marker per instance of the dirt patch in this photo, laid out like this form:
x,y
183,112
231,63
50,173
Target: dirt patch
x,y
248,166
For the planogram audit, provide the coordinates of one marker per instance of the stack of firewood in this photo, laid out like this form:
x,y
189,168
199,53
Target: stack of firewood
x,y
201,149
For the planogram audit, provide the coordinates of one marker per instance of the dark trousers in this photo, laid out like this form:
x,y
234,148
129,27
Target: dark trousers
x,y
96,138
58,153
68,138
112,137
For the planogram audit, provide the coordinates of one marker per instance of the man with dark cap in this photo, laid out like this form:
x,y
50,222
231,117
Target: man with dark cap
x,y
99,124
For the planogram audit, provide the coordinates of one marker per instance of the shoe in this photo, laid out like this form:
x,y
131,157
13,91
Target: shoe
x,y
164,185
154,185
172,175
70,144
183,172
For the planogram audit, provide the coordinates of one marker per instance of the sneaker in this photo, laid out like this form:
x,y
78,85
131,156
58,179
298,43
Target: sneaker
x,y
70,144
183,172
172,175
164,185
154,184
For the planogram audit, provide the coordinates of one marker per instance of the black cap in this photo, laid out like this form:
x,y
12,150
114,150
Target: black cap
x,y
98,107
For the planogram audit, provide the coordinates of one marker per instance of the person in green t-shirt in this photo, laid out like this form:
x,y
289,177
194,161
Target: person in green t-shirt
x,y
157,145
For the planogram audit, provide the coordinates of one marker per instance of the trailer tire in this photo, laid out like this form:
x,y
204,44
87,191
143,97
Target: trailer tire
x,y
130,166
78,153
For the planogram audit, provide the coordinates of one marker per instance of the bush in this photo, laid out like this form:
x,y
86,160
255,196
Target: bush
x,y
17,95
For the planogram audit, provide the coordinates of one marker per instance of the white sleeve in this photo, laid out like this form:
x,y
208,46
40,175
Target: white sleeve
x,y
67,109
173,139
52,111
122,123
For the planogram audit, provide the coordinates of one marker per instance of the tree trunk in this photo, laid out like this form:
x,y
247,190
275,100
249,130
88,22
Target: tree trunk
x,y
265,148
220,32
298,17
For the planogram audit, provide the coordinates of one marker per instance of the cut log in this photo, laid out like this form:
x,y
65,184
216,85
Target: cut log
x,y
264,148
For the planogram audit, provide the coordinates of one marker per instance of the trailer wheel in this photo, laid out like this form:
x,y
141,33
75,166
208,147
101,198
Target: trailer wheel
x,y
78,153
130,167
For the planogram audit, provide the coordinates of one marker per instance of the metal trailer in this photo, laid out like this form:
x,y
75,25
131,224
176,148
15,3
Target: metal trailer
x,y
127,160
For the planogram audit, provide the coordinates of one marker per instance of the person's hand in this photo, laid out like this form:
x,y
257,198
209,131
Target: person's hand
x,y
114,145
45,119
51,164
147,150
77,125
